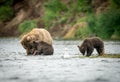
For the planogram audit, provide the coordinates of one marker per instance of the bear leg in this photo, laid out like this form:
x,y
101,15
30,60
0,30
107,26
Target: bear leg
x,y
48,51
100,51
89,52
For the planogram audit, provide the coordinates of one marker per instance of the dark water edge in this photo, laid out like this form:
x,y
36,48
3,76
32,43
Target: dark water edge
x,y
15,66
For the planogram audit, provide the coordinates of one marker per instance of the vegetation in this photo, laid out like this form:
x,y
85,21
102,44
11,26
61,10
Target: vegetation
x,y
105,56
53,12
82,33
57,12
27,25
104,24
6,11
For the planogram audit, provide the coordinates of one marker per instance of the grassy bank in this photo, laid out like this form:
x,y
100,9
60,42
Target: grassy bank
x,y
69,19
105,56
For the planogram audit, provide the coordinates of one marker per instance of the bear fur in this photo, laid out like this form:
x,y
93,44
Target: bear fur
x,y
89,44
37,34
43,48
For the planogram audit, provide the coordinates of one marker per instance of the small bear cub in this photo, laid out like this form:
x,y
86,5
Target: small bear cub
x,y
43,48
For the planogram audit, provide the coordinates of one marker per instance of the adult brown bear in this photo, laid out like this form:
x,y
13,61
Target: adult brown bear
x,y
89,44
36,34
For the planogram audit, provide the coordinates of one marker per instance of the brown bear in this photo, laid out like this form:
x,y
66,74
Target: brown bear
x,y
37,34
43,48
89,44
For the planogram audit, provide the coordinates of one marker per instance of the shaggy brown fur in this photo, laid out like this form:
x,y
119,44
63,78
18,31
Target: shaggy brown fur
x,y
35,35
89,44
43,48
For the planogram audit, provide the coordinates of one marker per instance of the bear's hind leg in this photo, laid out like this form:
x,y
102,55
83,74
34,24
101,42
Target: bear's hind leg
x,y
47,51
100,51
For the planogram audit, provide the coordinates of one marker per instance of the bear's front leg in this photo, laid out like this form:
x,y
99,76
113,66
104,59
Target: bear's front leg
x,y
89,51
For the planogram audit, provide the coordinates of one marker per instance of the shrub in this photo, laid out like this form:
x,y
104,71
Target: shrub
x,y
84,6
27,26
106,24
82,33
6,13
91,20
115,3
53,10
57,12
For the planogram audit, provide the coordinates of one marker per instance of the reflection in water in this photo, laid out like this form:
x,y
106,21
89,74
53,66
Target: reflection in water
x,y
15,66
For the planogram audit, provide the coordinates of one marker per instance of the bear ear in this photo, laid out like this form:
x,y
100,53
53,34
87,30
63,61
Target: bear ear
x,y
28,38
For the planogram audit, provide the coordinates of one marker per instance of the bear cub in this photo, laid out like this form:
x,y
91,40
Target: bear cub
x,y
89,44
43,48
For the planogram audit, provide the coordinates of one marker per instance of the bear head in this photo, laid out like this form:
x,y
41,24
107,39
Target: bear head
x,y
82,49
28,44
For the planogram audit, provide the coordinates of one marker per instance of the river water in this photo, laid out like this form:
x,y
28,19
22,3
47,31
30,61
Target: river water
x,y
15,66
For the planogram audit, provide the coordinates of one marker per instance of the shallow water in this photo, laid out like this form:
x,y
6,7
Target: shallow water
x,y
15,66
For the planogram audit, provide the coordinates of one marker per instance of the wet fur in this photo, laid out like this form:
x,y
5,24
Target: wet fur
x,y
89,44
43,48
35,35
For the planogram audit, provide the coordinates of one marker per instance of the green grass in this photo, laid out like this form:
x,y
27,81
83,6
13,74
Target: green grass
x,y
27,25
111,56
105,56
6,13
6,10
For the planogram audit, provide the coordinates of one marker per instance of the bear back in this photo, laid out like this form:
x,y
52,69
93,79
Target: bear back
x,y
37,34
